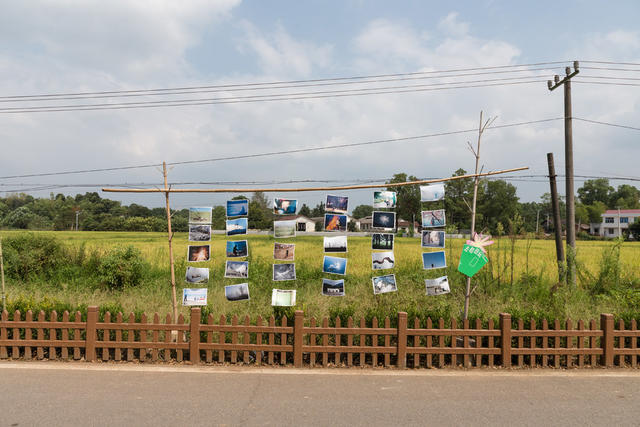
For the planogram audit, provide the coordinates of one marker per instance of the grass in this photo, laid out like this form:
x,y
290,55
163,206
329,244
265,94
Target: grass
x,y
606,283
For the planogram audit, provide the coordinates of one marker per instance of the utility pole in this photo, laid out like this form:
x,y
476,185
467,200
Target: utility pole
x,y
555,207
568,164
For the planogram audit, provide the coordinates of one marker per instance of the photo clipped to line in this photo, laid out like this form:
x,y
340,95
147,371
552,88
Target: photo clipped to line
x,y
194,296
284,272
237,207
384,284
433,239
384,220
382,241
431,260
200,215
197,275
335,222
431,193
439,286
239,292
284,229
382,260
384,199
333,288
334,265
198,253
236,269
283,297
285,206
337,204
335,243
237,248
199,233
284,251
433,218
237,226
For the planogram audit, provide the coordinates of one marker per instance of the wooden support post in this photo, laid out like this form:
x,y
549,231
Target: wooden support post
x,y
557,223
402,340
90,334
194,338
505,335
170,233
298,324
607,326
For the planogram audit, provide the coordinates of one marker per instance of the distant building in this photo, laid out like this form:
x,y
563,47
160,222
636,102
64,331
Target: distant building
x,y
302,222
612,221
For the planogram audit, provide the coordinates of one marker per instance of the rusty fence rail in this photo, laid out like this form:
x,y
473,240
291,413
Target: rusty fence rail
x,y
420,343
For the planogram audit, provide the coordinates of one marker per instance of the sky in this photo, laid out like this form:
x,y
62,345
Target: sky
x,y
57,47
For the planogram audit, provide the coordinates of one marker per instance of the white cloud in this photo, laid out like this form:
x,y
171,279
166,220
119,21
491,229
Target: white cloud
x,y
452,27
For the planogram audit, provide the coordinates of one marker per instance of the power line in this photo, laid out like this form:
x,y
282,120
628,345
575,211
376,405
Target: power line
x,y
606,123
610,62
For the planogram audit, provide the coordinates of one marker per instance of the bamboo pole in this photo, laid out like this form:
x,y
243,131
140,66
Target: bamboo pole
x,y
170,233
296,190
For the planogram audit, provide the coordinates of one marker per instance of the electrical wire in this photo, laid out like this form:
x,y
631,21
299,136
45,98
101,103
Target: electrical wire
x,y
606,123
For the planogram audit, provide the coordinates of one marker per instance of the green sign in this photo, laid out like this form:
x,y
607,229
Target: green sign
x,y
471,260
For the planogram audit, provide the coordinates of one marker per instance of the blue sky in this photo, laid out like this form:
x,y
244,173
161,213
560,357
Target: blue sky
x,y
61,46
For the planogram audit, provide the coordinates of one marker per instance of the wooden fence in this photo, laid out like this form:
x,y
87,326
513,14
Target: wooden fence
x,y
421,344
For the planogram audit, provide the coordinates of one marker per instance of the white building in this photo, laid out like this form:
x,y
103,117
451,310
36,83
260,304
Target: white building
x,y
614,222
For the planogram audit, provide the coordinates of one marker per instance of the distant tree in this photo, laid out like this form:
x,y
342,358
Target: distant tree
x,y
595,211
362,211
408,196
499,203
625,197
219,218
305,211
634,229
240,197
595,190
318,210
351,226
457,201
261,199
135,209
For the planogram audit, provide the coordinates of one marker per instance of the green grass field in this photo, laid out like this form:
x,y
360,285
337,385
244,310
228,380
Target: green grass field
x,y
599,289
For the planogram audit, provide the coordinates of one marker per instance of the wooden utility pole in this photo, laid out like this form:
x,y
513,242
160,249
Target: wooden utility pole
x,y
476,153
4,296
555,207
170,233
568,164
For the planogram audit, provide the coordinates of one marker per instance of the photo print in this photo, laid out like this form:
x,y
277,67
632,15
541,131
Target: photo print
x,y
200,215
237,248
284,229
196,296
334,265
239,292
382,260
439,286
237,207
283,297
382,241
431,193
384,284
198,253
335,244
333,222
433,239
284,251
284,272
431,260
385,220
285,206
384,199
433,218
237,226
236,269
337,204
333,288
199,233
196,275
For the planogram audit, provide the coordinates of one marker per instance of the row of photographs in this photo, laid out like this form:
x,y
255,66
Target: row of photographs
x,y
287,297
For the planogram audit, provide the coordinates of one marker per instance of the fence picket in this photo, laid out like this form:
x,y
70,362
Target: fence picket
x,y
593,343
532,344
105,336
520,342
634,344
428,343
131,337
350,343
259,353
441,343
15,351
454,343
622,343
167,338
272,338
545,343
208,354
416,343
336,354
491,343
465,344
556,343
118,350
222,338
155,337
478,357
387,342
53,335
246,339
27,335
40,335
374,342
180,340
325,342
363,342
234,340
581,344
312,342
64,351
4,335
569,327
283,341
144,337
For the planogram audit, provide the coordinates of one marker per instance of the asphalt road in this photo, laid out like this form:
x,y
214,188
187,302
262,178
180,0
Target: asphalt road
x,y
52,394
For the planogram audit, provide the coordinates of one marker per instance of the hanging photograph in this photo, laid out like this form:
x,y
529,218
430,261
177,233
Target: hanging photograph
x,y
431,193
334,265
239,292
335,244
334,222
200,215
333,288
283,229
199,233
433,239
433,218
382,260
284,272
197,275
384,199
237,248
198,253
191,297
384,284
237,207
285,206
382,241
284,251
437,286
236,269
237,226
337,204
431,260
283,297
385,220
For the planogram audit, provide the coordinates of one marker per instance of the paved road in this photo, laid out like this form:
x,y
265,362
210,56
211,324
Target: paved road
x,y
95,394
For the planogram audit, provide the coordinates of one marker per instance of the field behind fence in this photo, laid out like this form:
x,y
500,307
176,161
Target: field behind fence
x,y
409,343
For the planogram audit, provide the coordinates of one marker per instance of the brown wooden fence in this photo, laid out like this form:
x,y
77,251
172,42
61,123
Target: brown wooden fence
x,y
417,344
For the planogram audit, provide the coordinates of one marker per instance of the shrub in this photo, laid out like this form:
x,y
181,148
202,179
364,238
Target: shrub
x,y
29,255
122,267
